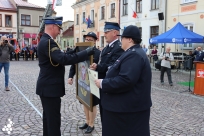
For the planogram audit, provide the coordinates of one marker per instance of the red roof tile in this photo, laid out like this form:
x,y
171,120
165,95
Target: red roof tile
x,y
68,32
6,5
26,4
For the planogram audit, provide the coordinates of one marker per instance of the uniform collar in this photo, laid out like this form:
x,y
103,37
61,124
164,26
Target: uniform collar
x,y
133,47
112,42
49,36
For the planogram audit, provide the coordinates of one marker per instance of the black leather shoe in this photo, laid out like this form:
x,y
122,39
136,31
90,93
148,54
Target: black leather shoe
x,y
84,126
89,130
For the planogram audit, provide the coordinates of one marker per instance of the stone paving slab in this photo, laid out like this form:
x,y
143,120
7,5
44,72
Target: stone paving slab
x,y
172,114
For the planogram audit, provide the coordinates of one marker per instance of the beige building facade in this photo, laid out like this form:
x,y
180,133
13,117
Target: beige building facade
x,y
8,19
99,11
190,13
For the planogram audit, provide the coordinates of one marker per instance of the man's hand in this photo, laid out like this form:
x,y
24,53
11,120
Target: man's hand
x,y
98,82
93,66
70,81
90,50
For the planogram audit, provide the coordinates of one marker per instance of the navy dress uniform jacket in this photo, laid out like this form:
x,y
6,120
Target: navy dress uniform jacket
x,y
107,57
51,78
127,85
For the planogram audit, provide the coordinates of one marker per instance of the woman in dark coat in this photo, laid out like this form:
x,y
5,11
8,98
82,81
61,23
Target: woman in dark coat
x,y
126,90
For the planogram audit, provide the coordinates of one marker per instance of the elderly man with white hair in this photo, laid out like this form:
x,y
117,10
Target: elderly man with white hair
x,y
166,57
5,49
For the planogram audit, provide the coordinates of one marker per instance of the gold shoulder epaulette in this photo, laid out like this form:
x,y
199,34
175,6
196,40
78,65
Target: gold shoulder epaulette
x,y
54,49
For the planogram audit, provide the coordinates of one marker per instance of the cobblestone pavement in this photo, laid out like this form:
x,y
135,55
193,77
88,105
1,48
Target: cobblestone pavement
x,y
172,114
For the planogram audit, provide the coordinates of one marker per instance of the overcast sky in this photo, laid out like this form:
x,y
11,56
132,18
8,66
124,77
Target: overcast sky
x,y
65,10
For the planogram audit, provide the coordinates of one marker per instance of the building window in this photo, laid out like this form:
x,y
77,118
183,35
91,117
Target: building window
x,y
154,31
188,45
84,18
102,41
113,10
77,40
155,4
77,19
140,28
92,15
25,20
138,6
125,7
0,20
103,12
187,1
40,19
8,20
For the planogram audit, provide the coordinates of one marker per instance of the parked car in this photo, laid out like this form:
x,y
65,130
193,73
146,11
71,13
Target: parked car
x,y
179,55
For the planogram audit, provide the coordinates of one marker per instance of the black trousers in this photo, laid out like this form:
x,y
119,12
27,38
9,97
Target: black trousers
x,y
17,56
100,108
126,123
51,116
168,71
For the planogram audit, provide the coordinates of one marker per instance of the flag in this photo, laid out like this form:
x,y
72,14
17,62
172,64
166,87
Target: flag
x,y
134,14
17,50
88,22
54,2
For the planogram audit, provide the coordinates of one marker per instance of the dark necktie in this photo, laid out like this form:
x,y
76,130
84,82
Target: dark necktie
x,y
107,48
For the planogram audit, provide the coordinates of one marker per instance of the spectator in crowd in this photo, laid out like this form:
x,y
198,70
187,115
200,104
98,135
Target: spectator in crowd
x,y
166,58
197,52
144,48
154,53
201,57
35,51
5,49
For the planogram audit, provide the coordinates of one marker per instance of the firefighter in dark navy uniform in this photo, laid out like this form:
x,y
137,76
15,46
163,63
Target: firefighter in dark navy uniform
x,y
50,84
126,90
109,54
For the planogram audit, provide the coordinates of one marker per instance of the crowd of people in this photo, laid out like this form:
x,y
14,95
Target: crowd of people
x,y
26,53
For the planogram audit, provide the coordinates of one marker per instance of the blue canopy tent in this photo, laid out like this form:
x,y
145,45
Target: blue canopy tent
x,y
178,34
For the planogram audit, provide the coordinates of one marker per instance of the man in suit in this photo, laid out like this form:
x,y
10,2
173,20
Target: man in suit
x,y
126,90
50,83
109,54
197,53
201,57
